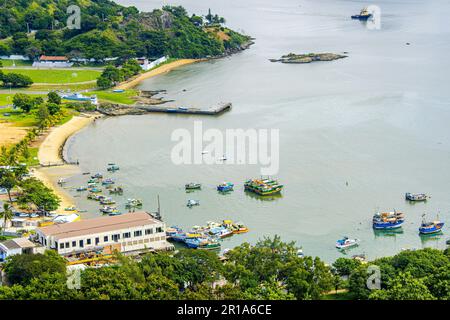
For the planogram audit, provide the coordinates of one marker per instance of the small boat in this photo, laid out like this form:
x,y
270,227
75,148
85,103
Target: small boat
x,y
192,186
221,232
108,209
133,203
72,208
346,242
61,181
431,227
107,182
113,168
116,190
97,176
209,245
92,180
80,189
224,187
192,203
300,253
363,15
172,231
86,173
387,220
239,227
107,201
95,190
416,196
193,243
115,213
118,90
263,187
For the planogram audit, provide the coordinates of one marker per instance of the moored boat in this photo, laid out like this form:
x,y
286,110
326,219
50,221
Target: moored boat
x,y
430,227
192,186
225,186
388,220
263,187
416,196
133,203
192,203
346,242
116,190
113,168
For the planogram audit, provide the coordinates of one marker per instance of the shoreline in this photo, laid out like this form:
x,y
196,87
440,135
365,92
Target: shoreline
x,y
50,153
129,84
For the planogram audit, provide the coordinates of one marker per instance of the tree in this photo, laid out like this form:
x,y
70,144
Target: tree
x,y
104,83
23,101
42,116
345,266
22,268
16,80
403,287
6,214
53,97
8,180
35,193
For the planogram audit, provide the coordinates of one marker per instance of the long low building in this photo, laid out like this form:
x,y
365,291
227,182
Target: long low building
x,y
128,232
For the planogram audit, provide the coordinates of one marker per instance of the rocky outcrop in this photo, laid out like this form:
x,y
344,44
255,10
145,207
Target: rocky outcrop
x,y
309,57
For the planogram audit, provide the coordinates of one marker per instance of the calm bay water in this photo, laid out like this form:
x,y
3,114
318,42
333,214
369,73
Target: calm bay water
x,y
377,120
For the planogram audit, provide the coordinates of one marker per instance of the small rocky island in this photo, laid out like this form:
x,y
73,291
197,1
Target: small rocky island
x,y
308,57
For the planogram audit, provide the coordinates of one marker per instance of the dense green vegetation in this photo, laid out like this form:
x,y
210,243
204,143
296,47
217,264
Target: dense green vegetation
x,y
112,75
107,29
269,270
15,79
409,275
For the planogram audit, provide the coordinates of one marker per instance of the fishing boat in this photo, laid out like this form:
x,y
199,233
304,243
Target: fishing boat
x,y
416,196
225,187
192,203
133,203
300,253
209,245
263,187
97,176
61,181
80,189
108,209
113,168
363,15
346,243
115,213
192,186
95,190
193,243
430,227
108,182
172,231
116,190
72,208
239,227
221,232
388,220
107,201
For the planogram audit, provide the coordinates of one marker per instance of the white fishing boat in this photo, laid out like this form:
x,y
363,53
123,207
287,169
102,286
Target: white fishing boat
x,y
192,203
346,242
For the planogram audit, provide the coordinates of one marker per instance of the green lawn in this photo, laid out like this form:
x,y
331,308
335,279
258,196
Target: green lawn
x,y
116,97
57,76
18,63
6,99
18,117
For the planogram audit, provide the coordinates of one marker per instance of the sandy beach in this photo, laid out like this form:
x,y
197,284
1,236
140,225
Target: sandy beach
x,y
160,70
9,134
50,153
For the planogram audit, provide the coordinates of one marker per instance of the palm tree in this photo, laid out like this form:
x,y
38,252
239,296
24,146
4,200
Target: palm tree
x,y
7,214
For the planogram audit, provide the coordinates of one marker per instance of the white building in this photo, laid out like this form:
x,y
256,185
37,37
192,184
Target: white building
x,y
16,246
128,232
146,65
52,62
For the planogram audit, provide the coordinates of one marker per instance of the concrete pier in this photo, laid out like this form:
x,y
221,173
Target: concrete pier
x,y
186,110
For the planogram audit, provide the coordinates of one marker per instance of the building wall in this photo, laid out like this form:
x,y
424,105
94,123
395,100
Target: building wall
x,y
152,236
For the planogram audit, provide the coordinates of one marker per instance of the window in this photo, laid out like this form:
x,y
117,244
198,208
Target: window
x,y
74,244
67,245
81,244
116,237
127,235
138,233
88,241
97,240
61,245
105,239
159,229
148,231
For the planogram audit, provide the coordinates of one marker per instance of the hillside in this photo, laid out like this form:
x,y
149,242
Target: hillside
x,y
107,29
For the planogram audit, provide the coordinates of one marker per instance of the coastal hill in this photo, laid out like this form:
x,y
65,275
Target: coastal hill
x,y
107,29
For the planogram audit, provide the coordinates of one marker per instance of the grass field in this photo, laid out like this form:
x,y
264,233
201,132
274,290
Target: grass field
x,y
6,98
18,63
57,76
116,97
18,118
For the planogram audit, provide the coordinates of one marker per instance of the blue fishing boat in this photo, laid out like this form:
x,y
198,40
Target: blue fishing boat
x,y
107,182
388,220
416,196
346,242
179,236
364,15
430,227
224,187
193,243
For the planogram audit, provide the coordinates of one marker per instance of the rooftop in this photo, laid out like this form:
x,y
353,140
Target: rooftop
x,y
98,225
18,243
53,58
